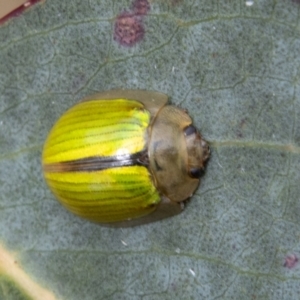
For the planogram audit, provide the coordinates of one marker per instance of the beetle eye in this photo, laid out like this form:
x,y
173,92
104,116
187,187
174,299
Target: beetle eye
x,y
189,130
196,172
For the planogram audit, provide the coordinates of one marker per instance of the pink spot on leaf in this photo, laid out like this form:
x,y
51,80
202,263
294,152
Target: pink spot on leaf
x,y
290,261
129,29
140,7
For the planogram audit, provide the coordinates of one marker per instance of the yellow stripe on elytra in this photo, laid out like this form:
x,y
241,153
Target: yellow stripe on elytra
x,y
96,145
137,117
106,196
98,128
101,108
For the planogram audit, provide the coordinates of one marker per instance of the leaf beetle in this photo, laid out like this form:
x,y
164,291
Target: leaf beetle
x,y
124,158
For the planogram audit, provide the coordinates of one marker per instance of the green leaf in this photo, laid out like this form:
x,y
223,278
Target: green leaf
x,y
236,68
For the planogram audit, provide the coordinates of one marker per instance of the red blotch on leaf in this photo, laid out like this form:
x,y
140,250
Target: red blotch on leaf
x,y
290,261
129,29
140,7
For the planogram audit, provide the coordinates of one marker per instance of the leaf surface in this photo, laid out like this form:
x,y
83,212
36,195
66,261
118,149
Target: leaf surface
x,y
236,68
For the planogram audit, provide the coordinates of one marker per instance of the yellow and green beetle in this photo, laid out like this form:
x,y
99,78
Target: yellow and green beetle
x,y
124,157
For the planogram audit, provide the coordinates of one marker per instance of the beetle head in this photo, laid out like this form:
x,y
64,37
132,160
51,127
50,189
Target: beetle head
x,y
177,153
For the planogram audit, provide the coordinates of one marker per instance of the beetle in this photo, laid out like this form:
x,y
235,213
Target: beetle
x,y
124,158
